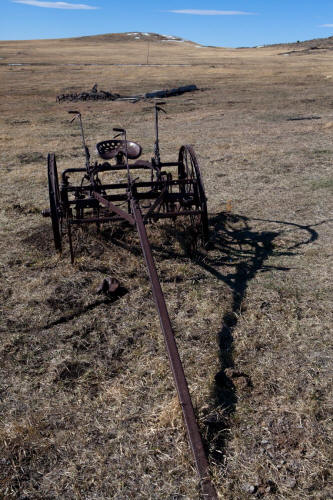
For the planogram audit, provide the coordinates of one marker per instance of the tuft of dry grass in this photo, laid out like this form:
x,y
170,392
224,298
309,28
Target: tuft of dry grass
x,y
88,407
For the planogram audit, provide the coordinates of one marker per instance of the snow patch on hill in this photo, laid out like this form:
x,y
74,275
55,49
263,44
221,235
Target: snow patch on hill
x,y
136,35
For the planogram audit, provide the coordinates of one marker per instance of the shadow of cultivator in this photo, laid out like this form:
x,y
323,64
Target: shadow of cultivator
x,y
137,202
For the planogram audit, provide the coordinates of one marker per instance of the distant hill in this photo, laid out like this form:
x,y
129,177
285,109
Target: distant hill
x,y
134,35
321,45
306,46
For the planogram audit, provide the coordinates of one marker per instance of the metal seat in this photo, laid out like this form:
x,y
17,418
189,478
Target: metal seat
x,y
110,148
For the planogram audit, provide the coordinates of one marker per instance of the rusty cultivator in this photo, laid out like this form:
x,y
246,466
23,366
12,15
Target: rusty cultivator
x,y
163,196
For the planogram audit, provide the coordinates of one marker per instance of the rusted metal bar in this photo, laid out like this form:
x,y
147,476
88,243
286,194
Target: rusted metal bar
x,y
194,436
145,195
148,184
131,166
98,220
169,164
157,203
136,165
71,249
113,208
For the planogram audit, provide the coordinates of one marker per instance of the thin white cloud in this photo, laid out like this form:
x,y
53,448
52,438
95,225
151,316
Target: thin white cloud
x,y
198,12
326,26
56,5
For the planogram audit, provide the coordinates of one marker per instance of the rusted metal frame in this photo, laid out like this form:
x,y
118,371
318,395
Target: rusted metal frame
x,y
121,197
168,215
106,168
113,208
169,164
132,166
84,203
69,232
99,220
148,195
72,170
143,184
157,157
174,359
157,204
154,185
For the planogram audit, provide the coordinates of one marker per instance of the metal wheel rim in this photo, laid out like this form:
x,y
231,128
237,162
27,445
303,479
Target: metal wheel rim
x,y
189,169
55,206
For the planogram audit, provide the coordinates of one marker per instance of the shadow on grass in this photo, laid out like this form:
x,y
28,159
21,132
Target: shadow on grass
x,y
236,246
82,310
236,253
244,251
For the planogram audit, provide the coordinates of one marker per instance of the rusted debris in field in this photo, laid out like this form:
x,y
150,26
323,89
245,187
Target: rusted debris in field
x,y
161,94
108,286
103,95
91,95
166,195
300,118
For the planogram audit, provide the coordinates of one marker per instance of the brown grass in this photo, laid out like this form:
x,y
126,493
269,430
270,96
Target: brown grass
x,y
88,407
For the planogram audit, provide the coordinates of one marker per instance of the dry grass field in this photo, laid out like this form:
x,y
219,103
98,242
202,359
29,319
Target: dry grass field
x,y
88,406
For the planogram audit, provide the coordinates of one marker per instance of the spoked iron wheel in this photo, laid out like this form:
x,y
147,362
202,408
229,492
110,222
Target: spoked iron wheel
x,y
193,193
55,205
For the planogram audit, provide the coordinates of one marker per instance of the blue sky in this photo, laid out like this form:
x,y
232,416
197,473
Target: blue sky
x,y
210,22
